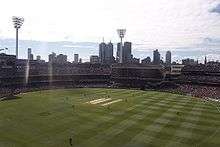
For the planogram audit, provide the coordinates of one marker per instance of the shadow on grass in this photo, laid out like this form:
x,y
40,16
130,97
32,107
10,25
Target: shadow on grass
x,y
12,97
44,113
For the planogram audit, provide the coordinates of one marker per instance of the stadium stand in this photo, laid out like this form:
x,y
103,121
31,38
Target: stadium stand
x,y
208,74
134,75
22,75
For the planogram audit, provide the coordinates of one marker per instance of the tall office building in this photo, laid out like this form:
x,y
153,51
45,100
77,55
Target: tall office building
x,y
38,57
80,60
126,53
57,59
52,57
76,58
94,59
109,53
118,52
39,60
205,62
102,48
30,55
106,53
61,58
156,57
189,61
168,58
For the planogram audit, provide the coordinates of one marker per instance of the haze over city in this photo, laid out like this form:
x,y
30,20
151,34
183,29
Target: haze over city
x,y
185,27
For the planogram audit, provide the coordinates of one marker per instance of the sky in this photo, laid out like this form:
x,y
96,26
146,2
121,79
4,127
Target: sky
x,y
163,24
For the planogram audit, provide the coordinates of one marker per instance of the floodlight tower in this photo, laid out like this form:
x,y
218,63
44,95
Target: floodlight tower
x,y
17,21
121,33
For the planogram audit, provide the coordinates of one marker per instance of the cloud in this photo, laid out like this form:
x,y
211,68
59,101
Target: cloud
x,y
209,40
216,9
80,46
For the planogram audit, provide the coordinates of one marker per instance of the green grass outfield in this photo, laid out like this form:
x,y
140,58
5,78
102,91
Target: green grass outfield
x,y
143,118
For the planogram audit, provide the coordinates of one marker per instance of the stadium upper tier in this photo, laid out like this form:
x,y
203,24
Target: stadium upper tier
x,y
202,74
13,71
202,69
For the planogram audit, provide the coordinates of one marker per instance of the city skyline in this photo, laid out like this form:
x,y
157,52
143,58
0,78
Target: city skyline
x,y
85,49
181,26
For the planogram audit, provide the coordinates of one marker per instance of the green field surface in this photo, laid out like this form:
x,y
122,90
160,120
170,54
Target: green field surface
x,y
137,119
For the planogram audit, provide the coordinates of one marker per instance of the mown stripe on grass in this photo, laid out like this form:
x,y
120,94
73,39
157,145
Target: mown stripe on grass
x,y
148,134
117,119
178,137
213,125
142,119
82,113
120,128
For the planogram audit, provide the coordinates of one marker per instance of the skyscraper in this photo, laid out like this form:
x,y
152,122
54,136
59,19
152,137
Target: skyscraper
x,y
118,52
38,57
102,48
94,59
168,57
76,58
30,56
127,52
61,58
52,57
156,57
106,53
109,53
29,53
80,60
189,61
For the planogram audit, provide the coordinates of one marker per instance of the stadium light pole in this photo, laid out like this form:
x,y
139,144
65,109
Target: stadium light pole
x,y
121,33
17,21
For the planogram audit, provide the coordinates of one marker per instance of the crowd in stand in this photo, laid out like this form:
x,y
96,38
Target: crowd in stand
x,y
186,89
201,78
63,69
138,73
201,73
209,67
198,91
9,91
4,92
206,74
